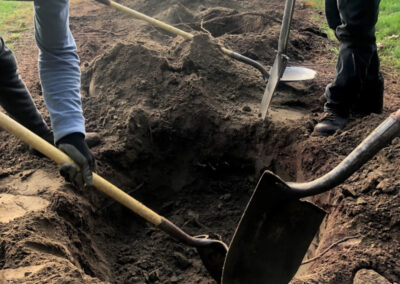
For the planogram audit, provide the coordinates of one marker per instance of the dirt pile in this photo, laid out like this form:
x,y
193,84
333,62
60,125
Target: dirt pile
x,y
364,208
185,105
180,132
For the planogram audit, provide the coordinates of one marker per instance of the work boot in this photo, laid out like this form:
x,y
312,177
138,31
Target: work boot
x,y
330,123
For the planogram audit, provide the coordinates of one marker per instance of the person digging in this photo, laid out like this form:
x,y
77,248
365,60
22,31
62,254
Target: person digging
x,y
60,79
358,85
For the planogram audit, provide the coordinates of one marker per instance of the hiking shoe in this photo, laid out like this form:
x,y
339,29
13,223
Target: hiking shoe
x,y
330,123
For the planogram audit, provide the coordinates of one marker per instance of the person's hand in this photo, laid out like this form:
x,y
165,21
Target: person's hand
x,y
75,147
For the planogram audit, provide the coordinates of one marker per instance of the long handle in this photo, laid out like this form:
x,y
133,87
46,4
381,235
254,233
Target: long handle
x,y
103,185
285,28
148,19
155,22
60,157
379,138
184,34
280,60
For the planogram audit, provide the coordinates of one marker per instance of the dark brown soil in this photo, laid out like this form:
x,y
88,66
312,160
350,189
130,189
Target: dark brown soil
x,y
181,133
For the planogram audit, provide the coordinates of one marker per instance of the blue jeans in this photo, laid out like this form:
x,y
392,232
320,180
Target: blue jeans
x,y
59,67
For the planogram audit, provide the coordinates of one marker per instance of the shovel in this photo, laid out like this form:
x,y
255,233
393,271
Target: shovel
x,y
290,74
212,252
277,228
281,59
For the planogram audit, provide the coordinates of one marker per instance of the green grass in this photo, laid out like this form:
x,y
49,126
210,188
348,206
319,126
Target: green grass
x,y
15,18
388,33
387,30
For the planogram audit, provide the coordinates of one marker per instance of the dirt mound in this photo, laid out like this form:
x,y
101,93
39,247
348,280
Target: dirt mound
x,y
180,132
177,14
184,101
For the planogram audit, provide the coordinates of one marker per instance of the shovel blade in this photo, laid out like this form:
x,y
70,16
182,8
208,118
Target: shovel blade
x,y
273,235
213,256
294,73
275,74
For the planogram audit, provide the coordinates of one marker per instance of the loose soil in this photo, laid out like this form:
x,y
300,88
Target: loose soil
x,y
181,133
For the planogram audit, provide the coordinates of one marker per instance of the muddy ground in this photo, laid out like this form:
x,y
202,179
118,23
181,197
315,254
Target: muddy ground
x,y
180,132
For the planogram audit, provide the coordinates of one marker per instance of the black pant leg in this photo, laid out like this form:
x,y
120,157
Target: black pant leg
x,y
332,14
358,20
371,95
356,34
15,97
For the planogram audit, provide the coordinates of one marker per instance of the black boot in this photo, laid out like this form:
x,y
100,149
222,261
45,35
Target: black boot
x,y
15,98
330,123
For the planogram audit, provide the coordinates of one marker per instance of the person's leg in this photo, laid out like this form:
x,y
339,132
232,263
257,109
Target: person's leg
x,y
332,14
59,67
15,97
347,83
356,34
371,95
357,65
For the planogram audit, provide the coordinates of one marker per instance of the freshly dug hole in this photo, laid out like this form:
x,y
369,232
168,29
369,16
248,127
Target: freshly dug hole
x,y
113,246
179,105
182,134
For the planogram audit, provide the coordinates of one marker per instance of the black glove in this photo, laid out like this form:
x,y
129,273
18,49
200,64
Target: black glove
x,y
75,147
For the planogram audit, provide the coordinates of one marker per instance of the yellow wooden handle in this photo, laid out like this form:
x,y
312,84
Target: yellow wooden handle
x,y
151,20
60,157
158,23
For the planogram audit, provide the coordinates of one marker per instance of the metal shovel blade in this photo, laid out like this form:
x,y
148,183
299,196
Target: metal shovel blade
x,y
295,73
273,235
275,74
213,257
278,68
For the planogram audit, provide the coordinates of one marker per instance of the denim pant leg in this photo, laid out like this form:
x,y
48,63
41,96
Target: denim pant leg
x,y
58,66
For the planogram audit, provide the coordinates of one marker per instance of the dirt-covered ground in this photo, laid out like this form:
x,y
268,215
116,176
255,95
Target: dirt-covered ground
x,y
180,132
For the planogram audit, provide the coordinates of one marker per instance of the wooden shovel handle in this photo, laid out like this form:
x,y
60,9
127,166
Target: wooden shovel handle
x,y
146,18
158,23
60,157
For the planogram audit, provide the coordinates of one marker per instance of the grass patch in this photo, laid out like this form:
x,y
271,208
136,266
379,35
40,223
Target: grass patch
x,y
388,33
15,18
387,30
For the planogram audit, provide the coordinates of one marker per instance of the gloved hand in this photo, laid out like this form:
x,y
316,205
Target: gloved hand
x,y
75,147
